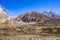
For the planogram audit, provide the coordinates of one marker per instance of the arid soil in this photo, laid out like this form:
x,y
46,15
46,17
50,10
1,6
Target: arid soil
x,y
29,37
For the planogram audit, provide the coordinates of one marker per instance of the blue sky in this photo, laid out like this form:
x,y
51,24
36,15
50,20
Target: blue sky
x,y
20,6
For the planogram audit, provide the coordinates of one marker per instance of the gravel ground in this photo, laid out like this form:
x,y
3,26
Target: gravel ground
x,y
29,37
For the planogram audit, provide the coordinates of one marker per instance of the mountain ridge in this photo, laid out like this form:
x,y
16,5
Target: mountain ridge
x,y
29,18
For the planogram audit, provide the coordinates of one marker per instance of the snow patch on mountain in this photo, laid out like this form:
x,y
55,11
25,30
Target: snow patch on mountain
x,y
51,14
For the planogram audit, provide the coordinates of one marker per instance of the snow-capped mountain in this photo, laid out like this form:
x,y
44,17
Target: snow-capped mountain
x,y
51,14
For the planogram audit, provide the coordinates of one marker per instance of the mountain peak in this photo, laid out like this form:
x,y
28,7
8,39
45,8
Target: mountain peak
x,y
1,9
51,14
3,14
33,17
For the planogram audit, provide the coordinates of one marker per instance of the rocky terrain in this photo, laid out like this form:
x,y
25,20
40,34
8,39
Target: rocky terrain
x,y
29,37
30,23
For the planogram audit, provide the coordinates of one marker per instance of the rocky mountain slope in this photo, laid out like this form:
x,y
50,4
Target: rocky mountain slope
x,y
3,15
41,19
33,17
49,19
